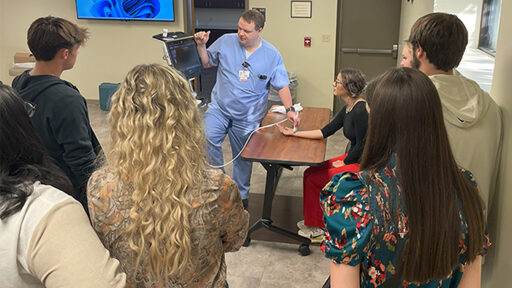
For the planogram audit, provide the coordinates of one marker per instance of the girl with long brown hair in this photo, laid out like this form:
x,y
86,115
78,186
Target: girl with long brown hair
x,y
412,217
155,204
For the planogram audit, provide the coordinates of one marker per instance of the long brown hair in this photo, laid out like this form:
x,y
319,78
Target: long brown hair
x,y
407,120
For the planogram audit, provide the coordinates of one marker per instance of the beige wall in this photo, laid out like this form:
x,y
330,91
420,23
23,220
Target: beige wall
x,y
313,65
469,11
114,46
498,264
2,33
411,10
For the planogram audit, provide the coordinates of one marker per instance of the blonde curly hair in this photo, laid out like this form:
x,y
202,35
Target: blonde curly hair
x,y
157,146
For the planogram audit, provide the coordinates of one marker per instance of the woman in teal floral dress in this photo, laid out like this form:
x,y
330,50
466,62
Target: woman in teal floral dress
x,y
411,217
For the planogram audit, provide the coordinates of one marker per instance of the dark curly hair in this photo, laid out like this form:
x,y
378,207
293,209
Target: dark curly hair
x,y
23,159
353,81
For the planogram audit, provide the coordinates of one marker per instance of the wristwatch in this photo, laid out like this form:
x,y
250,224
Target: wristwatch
x,y
291,108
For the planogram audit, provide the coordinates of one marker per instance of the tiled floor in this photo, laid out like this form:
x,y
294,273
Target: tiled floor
x,y
264,264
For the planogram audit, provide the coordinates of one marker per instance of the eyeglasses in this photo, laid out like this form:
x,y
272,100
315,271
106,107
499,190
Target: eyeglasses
x,y
31,109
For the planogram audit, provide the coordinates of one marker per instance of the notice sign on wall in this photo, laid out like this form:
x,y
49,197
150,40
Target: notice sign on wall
x,y
301,9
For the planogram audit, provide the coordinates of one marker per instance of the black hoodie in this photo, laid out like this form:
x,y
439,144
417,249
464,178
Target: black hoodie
x,y
62,122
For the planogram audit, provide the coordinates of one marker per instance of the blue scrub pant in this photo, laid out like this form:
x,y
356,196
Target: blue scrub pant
x,y
217,125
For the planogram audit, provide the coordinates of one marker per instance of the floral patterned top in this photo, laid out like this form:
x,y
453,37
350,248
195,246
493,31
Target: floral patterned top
x,y
356,236
219,224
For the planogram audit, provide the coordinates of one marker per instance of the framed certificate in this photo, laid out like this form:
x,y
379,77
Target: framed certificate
x,y
301,9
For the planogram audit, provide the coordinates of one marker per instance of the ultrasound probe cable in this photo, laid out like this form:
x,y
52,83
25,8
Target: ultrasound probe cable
x,y
249,138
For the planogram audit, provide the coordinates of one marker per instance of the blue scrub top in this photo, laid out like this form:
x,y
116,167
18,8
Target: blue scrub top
x,y
239,99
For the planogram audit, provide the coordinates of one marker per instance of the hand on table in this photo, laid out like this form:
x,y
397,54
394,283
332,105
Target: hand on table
x,y
337,163
285,130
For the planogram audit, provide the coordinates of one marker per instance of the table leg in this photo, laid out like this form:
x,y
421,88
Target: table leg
x,y
273,174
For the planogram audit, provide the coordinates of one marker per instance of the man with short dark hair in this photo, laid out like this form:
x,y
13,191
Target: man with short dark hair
x,y
247,66
60,115
472,118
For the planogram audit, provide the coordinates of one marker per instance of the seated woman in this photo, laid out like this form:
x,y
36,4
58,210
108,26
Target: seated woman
x,y
411,217
155,204
353,118
46,239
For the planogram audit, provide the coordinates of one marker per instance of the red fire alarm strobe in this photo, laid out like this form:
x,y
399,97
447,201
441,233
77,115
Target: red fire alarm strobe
x,y
307,41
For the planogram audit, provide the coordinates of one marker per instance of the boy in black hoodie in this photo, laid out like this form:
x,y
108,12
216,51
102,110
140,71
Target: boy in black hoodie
x,y
58,112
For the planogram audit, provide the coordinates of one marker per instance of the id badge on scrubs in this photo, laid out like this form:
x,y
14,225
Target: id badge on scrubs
x,y
243,75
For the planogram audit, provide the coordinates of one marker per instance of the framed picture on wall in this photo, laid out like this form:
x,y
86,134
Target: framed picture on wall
x,y
301,9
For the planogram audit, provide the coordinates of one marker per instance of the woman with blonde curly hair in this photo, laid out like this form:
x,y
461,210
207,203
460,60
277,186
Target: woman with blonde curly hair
x,y
406,55
155,204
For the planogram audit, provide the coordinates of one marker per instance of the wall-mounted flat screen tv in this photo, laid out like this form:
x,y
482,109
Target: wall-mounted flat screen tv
x,y
142,10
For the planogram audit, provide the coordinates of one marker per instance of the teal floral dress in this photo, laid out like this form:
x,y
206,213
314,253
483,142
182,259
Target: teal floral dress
x,y
354,236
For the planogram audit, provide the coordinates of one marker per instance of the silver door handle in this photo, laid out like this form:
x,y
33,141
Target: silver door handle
x,y
393,51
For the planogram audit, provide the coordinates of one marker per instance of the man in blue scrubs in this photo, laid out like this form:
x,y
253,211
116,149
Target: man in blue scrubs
x,y
247,66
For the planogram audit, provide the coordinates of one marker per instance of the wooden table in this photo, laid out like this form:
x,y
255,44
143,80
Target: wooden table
x,y
276,151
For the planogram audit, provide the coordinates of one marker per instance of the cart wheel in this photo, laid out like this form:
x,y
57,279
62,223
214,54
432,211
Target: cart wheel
x,y
247,241
304,250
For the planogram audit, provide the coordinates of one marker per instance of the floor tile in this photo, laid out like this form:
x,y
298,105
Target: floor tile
x,y
244,282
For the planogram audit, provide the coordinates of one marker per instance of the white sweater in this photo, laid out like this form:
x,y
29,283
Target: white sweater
x,y
50,243
473,123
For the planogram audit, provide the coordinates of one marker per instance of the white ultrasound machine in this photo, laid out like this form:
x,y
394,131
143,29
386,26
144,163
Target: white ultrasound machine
x,y
180,52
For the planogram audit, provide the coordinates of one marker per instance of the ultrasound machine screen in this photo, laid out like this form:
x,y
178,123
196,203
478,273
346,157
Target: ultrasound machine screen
x,y
182,54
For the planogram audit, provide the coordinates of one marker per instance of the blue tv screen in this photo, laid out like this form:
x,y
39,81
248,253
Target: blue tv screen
x,y
143,10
